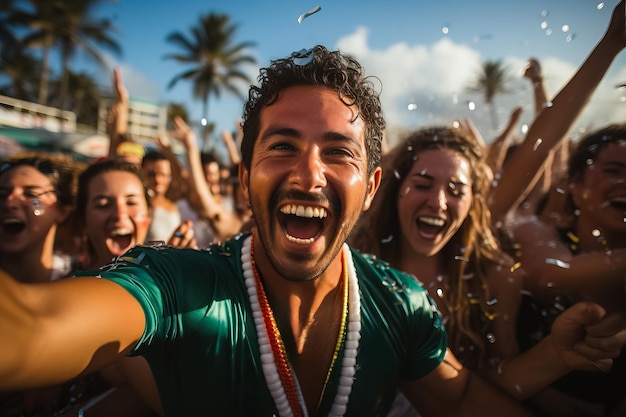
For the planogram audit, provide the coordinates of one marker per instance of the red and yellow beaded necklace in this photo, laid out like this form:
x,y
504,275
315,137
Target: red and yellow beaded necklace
x,y
279,375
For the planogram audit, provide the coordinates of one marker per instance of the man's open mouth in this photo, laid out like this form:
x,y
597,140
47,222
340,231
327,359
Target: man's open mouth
x,y
302,224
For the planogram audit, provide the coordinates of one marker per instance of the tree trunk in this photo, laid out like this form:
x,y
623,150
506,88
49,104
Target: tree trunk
x,y
493,115
43,83
64,81
205,130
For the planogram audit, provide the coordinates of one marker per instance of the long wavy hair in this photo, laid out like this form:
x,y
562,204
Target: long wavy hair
x,y
465,257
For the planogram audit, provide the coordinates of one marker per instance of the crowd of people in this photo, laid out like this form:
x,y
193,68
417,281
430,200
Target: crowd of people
x,y
318,272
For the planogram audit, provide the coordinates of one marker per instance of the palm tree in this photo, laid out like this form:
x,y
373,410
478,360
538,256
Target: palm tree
x,y
84,97
9,45
68,24
176,110
491,82
215,61
22,71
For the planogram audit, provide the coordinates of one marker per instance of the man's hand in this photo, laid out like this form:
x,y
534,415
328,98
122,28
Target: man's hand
x,y
587,338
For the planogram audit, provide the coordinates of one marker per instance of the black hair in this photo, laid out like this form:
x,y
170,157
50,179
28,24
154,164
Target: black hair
x,y
316,67
59,170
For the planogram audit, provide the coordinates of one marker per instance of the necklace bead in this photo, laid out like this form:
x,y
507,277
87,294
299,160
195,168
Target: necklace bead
x,y
280,378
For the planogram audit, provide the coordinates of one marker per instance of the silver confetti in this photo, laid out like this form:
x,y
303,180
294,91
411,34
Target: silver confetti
x,y
557,262
309,13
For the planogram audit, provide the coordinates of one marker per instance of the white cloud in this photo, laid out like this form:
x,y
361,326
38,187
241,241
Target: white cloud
x,y
434,79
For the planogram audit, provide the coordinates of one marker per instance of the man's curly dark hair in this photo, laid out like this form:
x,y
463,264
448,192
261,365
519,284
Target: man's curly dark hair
x,y
316,67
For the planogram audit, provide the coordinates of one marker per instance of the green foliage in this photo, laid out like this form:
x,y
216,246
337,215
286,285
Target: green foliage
x,y
212,58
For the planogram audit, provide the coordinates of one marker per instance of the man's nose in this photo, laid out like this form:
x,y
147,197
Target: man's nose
x,y
309,171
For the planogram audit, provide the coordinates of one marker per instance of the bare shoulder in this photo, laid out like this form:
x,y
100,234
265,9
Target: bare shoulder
x,y
530,227
535,241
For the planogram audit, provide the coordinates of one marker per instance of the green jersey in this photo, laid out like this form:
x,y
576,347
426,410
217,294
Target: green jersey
x,y
202,346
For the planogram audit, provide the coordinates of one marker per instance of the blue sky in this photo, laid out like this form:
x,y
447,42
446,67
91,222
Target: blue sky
x,y
401,42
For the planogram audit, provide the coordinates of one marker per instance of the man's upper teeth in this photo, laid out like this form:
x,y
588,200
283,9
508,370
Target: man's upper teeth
x,y
11,221
302,211
618,200
432,221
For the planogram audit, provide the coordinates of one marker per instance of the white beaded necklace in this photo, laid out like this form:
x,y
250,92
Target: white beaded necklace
x,y
270,371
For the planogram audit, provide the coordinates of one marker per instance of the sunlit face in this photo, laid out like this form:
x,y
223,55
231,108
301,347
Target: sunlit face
x,y
308,180
601,193
434,200
117,214
28,209
158,175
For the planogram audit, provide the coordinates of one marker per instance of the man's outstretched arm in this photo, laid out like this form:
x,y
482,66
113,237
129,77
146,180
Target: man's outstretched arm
x,y
55,331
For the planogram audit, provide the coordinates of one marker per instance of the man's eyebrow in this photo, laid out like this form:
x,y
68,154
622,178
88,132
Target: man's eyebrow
x,y
280,131
340,137
294,133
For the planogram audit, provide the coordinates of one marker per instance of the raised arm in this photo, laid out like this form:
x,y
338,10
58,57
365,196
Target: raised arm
x,y
550,266
231,146
583,337
55,331
453,390
554,122
533,74
496,152
225,223
117,119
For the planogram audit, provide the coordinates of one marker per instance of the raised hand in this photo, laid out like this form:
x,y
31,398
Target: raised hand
x,y
533,70
184,134
184,236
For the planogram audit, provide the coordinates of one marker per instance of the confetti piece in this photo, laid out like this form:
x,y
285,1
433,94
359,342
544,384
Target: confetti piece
x,y
309,13
557,262
387,239
303,56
